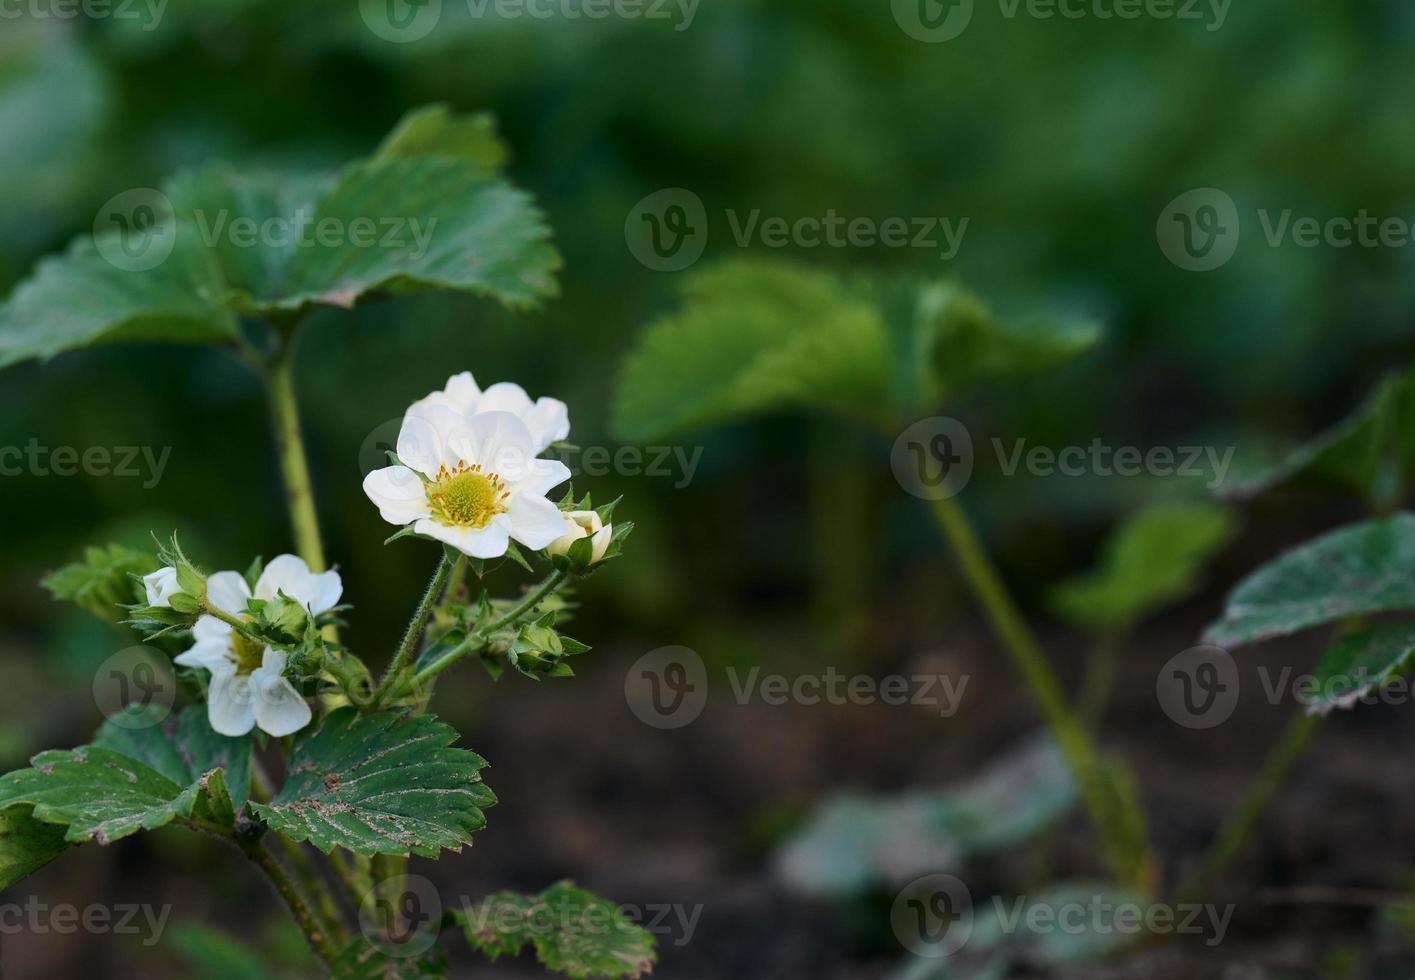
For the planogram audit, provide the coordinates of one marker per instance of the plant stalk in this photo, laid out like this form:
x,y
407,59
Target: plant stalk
x,y
415,628
1010,627
1234,835
294,462
320,941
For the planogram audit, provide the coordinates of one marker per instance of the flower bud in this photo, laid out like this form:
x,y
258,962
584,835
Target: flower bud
x,y
161,585
581,524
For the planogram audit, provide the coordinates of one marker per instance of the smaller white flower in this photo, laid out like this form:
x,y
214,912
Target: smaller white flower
x,y
547,419
583,524
473,482
247,687
161,586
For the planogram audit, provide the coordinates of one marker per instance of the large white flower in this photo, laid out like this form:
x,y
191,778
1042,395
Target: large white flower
x,y
472,481
247,687
547,419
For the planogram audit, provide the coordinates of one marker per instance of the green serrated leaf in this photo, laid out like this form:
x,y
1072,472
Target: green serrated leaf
x,y
181,747
1150,561
103,795
104,581
1352,571
1360,664
26,844
362,961
572,931
1371,452
757,336
380,784
435,130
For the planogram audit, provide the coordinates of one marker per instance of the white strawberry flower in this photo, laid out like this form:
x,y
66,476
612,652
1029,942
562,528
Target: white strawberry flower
x,y
584,524
161,586
472,481
547,419
247,687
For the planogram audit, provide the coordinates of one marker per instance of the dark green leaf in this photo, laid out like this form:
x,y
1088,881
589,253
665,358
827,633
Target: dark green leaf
x,y
362,961
572,931
1352,571
1152,560
380,784
1360,664
26,844
181,747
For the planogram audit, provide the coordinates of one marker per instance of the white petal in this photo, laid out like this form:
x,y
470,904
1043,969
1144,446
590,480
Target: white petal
x,y
600,544
549,422
284,573
228,592
273,660
231,704
214,655
279,709
505,396
499,441
488,542
423,441
540,476
462,392
161,585
398,493
328,589
209,629
535,521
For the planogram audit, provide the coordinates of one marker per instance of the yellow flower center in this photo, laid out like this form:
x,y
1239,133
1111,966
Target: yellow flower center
x,y
466,497
248,653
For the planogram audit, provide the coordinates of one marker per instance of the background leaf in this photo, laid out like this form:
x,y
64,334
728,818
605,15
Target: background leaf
x,y
380,784
1359,664
181,747
573,932
1150,561
1352,571
26,844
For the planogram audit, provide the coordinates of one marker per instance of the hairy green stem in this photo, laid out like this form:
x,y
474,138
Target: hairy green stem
x,y
1234,835
320,940
1046,690
294,463
325,911
478,639
415,629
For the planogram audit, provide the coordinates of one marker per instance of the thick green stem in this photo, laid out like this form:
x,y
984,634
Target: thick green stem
x,y
294,464
839,509
326,912
1009,626
1098,683
320,941
1239,827
478,639
415,628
